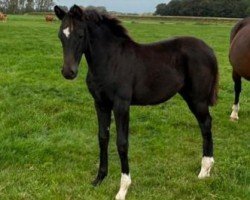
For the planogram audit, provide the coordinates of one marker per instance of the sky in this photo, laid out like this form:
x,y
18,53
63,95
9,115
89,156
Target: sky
x,y
128,6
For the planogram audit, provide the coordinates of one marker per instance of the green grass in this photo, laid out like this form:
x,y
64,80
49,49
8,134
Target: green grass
x,y
48,129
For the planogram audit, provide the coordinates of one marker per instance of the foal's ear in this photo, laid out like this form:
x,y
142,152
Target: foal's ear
x,y
60,13
77,11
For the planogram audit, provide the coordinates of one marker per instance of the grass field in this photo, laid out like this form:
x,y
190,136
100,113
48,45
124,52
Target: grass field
x,y
48,129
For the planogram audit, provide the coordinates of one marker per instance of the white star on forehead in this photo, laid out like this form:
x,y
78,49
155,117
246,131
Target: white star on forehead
x,y
66,32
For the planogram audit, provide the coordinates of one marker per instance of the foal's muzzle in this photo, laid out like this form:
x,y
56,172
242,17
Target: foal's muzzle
x,y
69,72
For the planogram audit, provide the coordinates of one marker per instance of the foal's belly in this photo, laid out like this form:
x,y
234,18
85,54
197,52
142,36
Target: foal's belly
x,y
157,93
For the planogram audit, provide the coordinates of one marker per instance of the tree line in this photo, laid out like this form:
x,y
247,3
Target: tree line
x,y
206,8
22,6
25,6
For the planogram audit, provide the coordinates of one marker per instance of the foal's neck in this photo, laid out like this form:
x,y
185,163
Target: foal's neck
x,y
102,48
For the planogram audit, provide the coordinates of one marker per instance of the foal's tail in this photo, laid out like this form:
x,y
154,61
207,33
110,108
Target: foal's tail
x,y
213,96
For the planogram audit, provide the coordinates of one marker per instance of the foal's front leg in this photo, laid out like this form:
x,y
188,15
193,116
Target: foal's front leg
x,y
121,113
104,119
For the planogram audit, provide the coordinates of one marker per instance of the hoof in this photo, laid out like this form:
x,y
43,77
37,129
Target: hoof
x,y
234,119
120,197
206,166
234,115
125,183
204,174
98,180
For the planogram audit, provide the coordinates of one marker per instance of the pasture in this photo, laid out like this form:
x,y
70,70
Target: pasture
x,y
48,129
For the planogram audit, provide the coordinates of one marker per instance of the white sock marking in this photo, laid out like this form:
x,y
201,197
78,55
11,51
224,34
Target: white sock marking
x,y
206,165
125,183
66,32
234,115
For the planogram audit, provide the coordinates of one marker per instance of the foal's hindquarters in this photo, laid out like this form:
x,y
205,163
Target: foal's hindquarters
x,y
239,57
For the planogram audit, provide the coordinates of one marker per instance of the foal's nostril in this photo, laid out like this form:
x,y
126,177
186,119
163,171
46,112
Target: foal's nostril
x,y
72,73
69,72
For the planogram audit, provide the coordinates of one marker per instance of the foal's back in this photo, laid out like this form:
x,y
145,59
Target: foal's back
x,y
165,68
240,48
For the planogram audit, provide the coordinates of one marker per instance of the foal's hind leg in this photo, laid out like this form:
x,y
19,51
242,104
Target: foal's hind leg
x,y
121,113
201,111
205,121
237,89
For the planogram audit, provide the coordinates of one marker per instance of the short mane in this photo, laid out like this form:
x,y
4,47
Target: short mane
x,y
112,22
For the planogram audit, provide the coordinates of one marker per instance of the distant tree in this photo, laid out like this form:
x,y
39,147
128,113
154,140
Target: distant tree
x,y
161,9
3,6
29,7
213,8
13,6
44,5
174,6
20,6
247,3
248,11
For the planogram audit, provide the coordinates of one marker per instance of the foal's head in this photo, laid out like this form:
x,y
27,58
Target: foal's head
x,y
77,27
72,34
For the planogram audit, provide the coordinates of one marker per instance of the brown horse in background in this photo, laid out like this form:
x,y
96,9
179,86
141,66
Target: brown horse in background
x,y
239,57
3,17
49,18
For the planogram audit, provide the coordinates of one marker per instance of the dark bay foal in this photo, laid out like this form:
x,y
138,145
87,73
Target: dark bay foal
x,y
122,72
